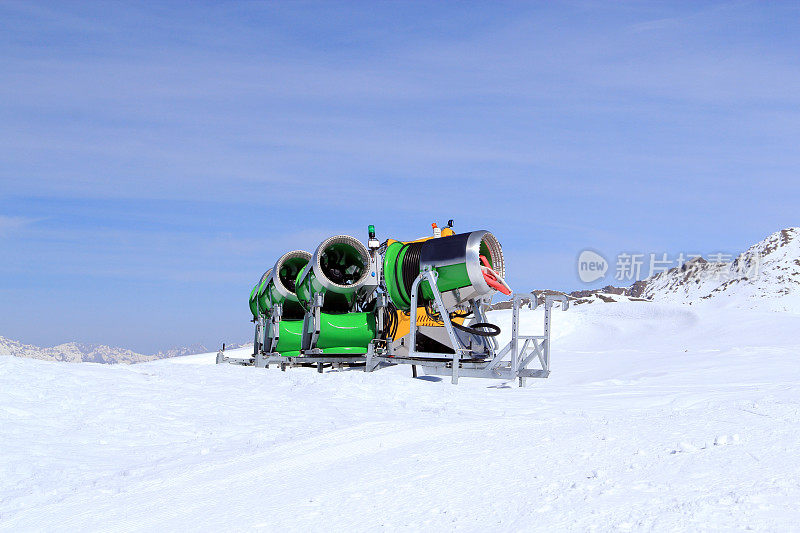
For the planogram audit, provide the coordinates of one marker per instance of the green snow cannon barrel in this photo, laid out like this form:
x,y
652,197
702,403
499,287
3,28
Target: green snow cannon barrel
x,y
338,269
343,333
257,290
280,288
456,259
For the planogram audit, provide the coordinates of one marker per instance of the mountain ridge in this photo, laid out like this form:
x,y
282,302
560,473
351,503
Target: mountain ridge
x,y
766,275
82,352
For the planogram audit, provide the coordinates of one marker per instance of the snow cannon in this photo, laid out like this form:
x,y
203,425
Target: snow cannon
x,y
468,266
421,302
278,300
280,289
329,287
339,268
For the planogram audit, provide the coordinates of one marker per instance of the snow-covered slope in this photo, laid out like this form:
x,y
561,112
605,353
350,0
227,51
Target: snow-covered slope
x,y
603,297
657,416
766,276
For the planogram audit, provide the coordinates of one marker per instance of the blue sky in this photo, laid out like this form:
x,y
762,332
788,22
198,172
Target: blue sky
x,y
155,158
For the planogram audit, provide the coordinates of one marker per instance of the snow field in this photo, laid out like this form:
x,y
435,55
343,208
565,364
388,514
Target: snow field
x,y
656,416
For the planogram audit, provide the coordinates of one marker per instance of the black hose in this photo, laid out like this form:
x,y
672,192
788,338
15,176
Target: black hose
x,y
473,331
469,329
395,322
390,321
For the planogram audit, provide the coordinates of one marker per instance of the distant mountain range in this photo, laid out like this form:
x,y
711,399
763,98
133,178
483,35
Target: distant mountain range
x,y
192,349
77,352
766,276
73,352
178,351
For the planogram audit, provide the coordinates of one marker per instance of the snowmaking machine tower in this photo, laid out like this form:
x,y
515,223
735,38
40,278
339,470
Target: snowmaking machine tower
x,y
421,302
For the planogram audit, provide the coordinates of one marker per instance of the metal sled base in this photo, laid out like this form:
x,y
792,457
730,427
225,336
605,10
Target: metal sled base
x,y
246,361
264,360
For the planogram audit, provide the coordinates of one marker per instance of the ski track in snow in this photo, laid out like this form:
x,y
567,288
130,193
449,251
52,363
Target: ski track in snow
x,y
656,416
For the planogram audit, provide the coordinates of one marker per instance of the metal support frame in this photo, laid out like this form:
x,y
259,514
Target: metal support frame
x,y
509,363
312,325
257,339
271,329
458,348
371,363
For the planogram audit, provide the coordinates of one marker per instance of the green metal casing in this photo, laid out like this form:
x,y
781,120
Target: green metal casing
x,y
257,304
271,296
253,304
262,296
308,285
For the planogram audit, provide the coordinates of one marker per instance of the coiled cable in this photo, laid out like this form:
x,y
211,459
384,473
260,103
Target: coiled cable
x,y
472,330
409,265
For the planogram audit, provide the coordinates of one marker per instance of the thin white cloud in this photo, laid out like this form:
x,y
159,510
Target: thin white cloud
x,y
10,225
